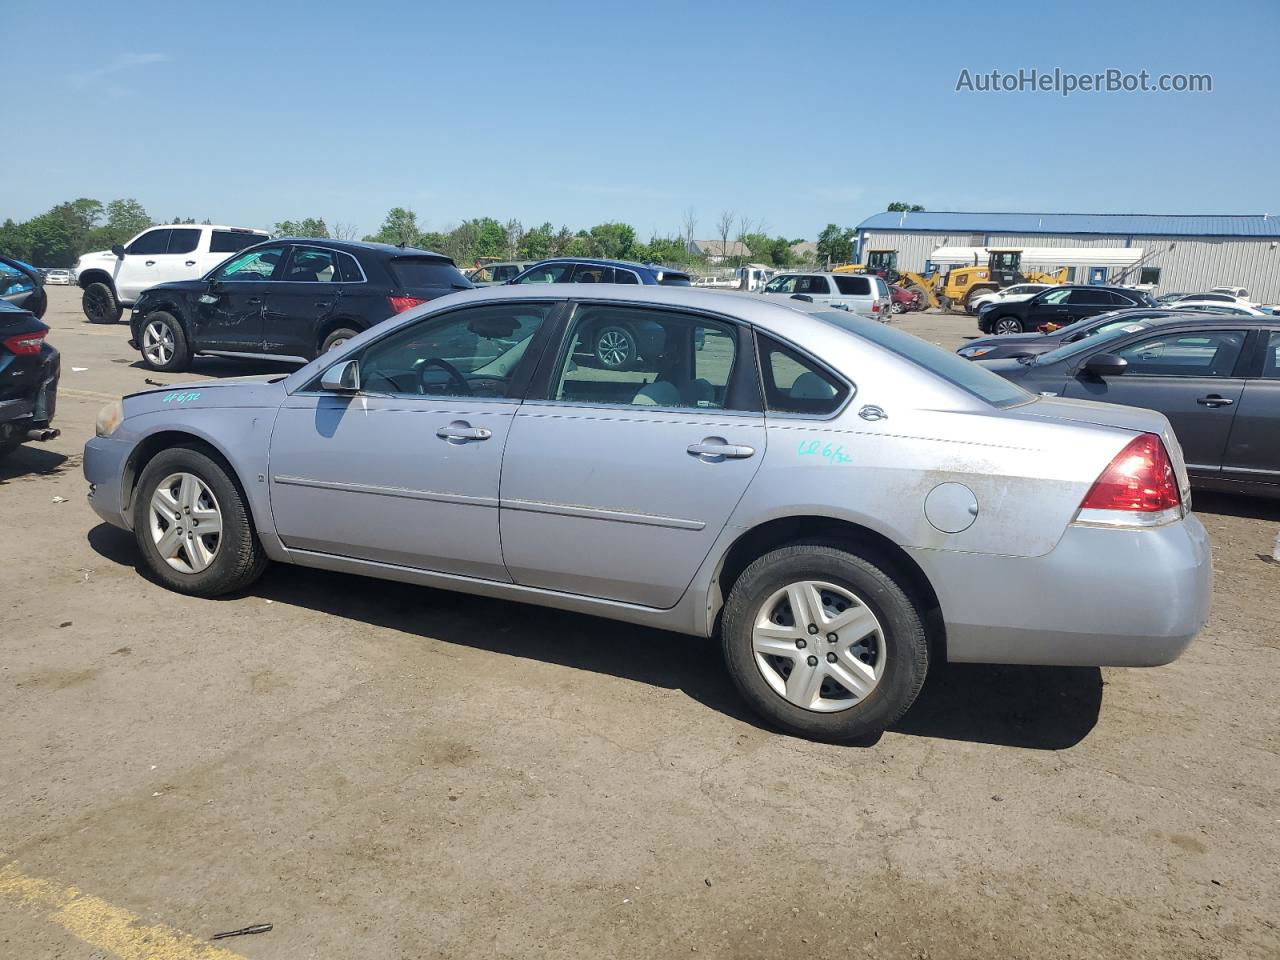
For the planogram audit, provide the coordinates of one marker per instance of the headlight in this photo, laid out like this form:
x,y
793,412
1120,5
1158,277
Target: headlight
x,y
972,353
109,418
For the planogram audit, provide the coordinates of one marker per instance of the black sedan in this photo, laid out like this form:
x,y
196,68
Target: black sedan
x,y
1060,306
1015,345
29,370
1218,382
289,299
23,286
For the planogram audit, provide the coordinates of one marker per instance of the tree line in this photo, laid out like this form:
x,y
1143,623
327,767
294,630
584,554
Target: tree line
x,y
60,235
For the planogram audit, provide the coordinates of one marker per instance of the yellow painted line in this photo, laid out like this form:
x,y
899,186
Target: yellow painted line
x,y
101,925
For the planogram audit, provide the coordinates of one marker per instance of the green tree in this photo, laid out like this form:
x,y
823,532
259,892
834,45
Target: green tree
x,y
537,242
835,244
125,220
400,227
306,227
899,207
613,241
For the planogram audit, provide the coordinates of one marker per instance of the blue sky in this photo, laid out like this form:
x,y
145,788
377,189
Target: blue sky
x,y
581,113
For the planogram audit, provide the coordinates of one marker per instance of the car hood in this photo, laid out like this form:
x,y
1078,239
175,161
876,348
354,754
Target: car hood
x,y
179,286
261,390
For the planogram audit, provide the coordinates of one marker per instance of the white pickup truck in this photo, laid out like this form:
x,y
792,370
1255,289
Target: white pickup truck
x,y
112,279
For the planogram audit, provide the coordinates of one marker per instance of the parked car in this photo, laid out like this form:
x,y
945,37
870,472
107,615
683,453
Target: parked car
x,y
821,491
57,277
588,270
22,285
1166,299
1059,306
1238,308
491,273
286,300
861,293
1240,293
1019,291
1216,378
29,368
113,279
1014,345
904,301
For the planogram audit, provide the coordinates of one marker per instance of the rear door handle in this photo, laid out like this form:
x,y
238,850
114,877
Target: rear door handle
x,y
254,300
150,263
715,449
1213,400
190,263
462,432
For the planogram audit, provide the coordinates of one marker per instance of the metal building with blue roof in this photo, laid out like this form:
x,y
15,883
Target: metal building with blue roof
x,y
1181,253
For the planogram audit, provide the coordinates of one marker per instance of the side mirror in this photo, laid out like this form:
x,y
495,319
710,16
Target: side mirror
x,y
1106,365
342,377
118,250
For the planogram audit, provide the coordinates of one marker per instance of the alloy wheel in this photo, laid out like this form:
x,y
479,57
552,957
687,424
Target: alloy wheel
x,y
1006,326
613,348
185,522
157,343
818,646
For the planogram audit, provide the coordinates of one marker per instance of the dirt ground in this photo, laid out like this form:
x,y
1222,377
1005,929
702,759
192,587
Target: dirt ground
x,y
386,771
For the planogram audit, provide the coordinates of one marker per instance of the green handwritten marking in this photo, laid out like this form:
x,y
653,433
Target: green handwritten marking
x,y
832,453
181,396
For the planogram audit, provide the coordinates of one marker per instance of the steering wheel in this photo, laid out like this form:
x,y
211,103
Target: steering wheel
x,y
455,376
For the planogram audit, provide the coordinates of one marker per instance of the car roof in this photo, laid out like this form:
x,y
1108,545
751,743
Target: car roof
x,y
355,246
599,262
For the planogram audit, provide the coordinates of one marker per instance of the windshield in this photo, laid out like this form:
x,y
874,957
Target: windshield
x,y
956,370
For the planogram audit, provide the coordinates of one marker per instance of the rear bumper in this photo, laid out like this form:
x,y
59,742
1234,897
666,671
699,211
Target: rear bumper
x,y
36,405
104,463
1102,597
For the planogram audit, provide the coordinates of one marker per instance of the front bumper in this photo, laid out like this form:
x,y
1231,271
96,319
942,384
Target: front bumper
x,y
1102,597
104,466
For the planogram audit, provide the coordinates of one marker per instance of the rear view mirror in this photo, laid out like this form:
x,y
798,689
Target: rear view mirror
x,y
1106,365
118,250
342,377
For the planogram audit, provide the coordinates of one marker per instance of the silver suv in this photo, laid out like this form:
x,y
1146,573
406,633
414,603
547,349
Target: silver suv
x,y
859,293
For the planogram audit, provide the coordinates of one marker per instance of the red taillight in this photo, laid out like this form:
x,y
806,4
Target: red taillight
x,y
875,306
25,344
1140,479
401,304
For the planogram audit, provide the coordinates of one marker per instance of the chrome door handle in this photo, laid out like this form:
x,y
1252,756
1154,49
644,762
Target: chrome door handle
x,y
715,449
1213,400
462,432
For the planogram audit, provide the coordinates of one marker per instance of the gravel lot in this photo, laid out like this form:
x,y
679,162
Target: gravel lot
x,y
388,771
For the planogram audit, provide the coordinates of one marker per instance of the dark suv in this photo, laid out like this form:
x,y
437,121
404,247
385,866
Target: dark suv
x,y
289,299
1059,306
612,346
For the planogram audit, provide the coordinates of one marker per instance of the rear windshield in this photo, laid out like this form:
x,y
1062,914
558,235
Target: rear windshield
x,y
227,241
669,279
956,370
411,272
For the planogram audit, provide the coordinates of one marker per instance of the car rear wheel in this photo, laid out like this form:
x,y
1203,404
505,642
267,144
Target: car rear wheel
x,y
616,348
337,338
163,343
192,525
1006,325
898,307
99,304
824,642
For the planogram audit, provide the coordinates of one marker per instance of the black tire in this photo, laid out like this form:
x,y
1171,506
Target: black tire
x,y
238,560
37,303
180,357
906,647
99,304
337,338
616,348
1008,323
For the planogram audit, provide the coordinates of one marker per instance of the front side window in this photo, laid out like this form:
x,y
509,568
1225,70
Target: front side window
x,y
312,265
783,284
1055,297
631,356
505,272
256,265
794,384
1207,353
183,239
473,352
151,242
548,273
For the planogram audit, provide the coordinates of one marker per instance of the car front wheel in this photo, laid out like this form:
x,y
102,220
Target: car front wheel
x,y
193,527
1006,325
824,643
164,343
99,304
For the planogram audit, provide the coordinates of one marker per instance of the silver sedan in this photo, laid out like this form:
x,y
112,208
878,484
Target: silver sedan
x,y
840,503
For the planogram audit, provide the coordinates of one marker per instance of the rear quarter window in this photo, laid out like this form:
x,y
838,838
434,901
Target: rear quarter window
x,y
410,272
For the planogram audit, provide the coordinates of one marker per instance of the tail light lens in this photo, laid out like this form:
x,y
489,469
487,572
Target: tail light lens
x,y
25,344
1138,484
875,306
401,304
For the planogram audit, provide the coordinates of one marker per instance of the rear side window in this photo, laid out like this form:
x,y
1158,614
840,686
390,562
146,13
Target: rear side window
x,y
794,384
547,273
625,276
225,241
853,286
592,273
348,269
812,285
410,272
183,241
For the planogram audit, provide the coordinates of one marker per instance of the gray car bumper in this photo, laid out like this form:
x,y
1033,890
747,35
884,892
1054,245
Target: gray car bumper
x,y
1101,597
104,462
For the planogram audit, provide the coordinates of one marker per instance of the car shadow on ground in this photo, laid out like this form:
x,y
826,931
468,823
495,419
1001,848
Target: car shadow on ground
x,y
1042,708
1236,505
33,460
